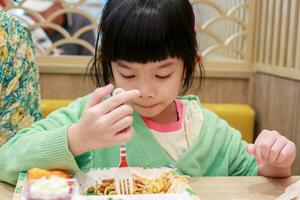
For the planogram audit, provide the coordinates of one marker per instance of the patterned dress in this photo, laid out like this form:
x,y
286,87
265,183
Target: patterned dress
x,y
19,78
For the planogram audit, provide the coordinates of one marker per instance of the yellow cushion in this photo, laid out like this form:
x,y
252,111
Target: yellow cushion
x,y
50,105
239,116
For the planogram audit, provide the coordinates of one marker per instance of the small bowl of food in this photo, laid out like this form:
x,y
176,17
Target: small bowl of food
x,y
49,185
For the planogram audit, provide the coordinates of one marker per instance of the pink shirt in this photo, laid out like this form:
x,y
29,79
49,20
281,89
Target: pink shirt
x,y
177,137
166,128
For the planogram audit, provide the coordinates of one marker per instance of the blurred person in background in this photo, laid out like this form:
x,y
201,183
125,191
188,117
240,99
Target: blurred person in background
x,y
19,78
41,40
71,22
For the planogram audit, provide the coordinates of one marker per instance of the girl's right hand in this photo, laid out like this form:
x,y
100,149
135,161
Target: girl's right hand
x,y
103,123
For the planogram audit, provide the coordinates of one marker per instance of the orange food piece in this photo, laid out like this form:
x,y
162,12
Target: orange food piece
x,y
60,173
36,173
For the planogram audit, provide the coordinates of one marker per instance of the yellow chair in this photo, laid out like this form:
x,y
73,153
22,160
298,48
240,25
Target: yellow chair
x,y
239,116
50,105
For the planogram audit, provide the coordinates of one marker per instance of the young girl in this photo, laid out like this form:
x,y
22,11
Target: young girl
x,y
148,48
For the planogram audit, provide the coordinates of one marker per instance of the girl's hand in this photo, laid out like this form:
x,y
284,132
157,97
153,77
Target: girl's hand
x,y
273,151
104,123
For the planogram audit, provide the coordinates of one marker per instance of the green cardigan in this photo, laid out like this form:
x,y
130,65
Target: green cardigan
x,y
218,151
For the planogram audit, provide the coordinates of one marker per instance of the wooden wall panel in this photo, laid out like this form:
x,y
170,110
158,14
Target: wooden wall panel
x,y
275,96
277,38
296,128
64,86
214,90
277,107
261,100
223,90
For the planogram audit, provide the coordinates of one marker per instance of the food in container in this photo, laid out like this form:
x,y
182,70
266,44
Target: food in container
x,y
159,183
150,184
142,185
49,185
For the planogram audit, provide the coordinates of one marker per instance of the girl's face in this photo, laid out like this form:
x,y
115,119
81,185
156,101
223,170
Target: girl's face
x,y
158,82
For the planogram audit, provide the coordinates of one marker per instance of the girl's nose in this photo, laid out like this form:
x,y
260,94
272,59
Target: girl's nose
x,y
146,91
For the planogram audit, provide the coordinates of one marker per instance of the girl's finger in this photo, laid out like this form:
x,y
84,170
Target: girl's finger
x,y
277,148
122,124
258,153
251,149
287,152
97,96
119,113
113,102
117,91
266,144
124,136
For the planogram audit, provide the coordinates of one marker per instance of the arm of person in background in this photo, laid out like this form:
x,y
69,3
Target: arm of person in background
x,y
19,78
44,144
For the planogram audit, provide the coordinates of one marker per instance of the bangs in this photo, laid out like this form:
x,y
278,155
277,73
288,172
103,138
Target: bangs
x,y
146,31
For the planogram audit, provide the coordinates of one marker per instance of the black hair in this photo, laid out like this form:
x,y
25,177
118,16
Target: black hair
x,y
146,31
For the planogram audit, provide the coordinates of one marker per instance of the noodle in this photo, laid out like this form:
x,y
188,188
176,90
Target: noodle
x,y
141,185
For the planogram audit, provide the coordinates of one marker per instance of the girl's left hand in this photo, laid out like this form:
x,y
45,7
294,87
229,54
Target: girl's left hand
x,y
271,148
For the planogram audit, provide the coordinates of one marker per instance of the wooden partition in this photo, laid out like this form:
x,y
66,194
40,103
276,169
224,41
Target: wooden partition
x,y
277,62
62,79
214,90
277,106
277,38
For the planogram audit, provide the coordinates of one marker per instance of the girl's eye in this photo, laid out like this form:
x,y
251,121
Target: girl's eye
x,y
125,76
163,77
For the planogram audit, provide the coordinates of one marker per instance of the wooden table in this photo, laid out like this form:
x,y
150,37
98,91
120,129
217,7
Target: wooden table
x,y
218,188
6,191
240,188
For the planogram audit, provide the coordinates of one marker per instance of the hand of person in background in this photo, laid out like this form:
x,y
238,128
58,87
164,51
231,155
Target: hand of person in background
x,y
102,120
274,153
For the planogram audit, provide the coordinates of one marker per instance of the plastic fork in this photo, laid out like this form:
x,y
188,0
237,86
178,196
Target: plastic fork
x,y
123,177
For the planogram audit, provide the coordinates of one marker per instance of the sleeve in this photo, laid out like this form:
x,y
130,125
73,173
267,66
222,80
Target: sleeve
x,y
227,148
19,86
241,162
43,145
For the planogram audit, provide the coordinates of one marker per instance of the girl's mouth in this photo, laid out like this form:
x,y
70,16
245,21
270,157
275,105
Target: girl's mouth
x,y
147,106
